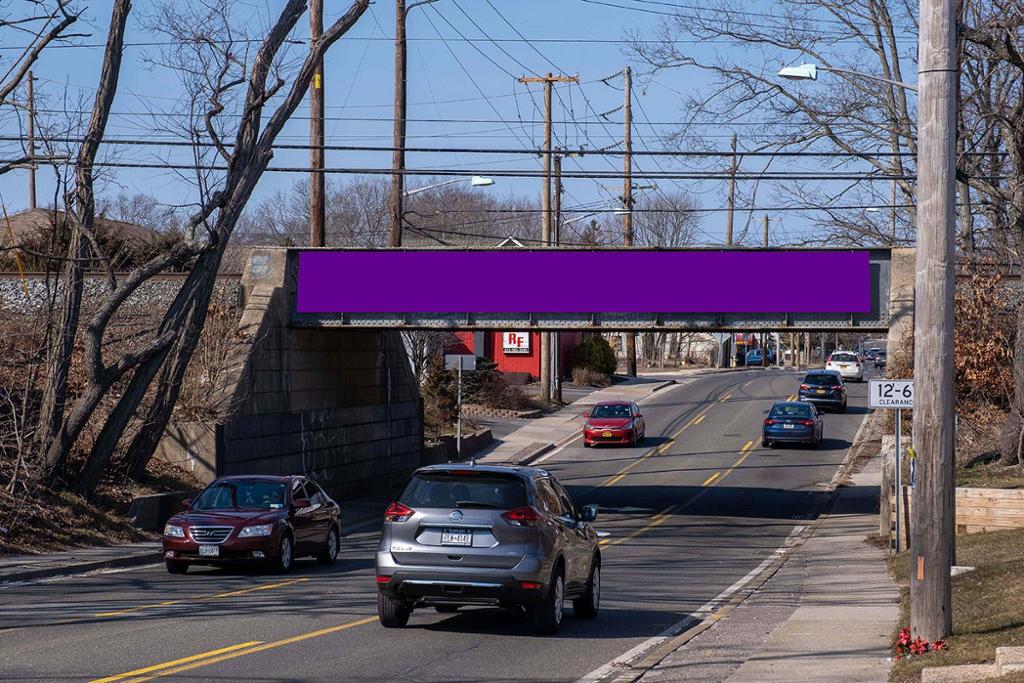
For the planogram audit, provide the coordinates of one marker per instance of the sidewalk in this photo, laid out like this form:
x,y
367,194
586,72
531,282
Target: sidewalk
x,y
540,435
828,614
78,561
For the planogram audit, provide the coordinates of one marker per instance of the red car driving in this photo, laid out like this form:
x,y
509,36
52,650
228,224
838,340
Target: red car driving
x,y
254,519
614,422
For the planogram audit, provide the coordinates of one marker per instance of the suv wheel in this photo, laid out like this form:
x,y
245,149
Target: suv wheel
x,y
285,555
586,606
547,614
329,554
390,612
176,567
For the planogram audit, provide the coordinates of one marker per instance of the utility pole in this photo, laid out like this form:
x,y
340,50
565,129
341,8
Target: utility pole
x,y
766,231
31,142
316,133
398,136
932,524
730,200
556,214
546,213
627,195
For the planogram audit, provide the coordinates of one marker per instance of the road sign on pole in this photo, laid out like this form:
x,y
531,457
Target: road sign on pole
x,y
891,393
459,363
898,394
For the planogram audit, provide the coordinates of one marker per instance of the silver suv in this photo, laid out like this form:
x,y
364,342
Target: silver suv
x,y
463,534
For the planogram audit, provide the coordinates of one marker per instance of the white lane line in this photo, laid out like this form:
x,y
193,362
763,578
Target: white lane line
x,y
624,661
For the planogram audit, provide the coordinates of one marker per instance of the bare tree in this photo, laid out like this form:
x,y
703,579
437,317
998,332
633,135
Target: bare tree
x,y
212,63
666,219
870,120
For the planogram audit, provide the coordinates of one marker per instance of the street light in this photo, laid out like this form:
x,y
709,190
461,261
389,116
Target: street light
x,y
809,72
475,181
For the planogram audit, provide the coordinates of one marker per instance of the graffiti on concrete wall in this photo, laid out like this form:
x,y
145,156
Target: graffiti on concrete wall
x,y
321,445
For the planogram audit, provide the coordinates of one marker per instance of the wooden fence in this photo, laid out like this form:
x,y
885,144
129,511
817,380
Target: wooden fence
x,y
976,510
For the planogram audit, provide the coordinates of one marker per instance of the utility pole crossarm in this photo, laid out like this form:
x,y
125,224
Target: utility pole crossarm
x,y
550,78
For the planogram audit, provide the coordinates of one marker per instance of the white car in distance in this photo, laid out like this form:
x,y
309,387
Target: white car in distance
x,y
848,364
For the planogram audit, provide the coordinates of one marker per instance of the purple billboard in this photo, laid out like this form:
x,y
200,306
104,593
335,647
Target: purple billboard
x,y
570,281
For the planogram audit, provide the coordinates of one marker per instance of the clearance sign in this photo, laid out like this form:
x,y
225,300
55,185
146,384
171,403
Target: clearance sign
x,y
515,342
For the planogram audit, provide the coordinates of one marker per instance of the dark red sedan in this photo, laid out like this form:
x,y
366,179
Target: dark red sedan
x,y
614,422
254,519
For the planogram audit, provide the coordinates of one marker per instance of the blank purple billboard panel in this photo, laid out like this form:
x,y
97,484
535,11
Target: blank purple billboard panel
x,y
564,281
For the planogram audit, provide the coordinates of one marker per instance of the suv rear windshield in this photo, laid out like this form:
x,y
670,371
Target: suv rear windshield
x,y
610,411
790,410
822,380
241,495
843,358
483,490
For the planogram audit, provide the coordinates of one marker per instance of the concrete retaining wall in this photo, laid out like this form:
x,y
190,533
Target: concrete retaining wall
x,y
340,406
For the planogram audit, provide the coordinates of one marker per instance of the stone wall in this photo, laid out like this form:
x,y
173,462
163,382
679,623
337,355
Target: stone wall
x,y
340,406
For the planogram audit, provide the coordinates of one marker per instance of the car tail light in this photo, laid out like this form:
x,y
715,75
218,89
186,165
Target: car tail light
x,y
530,585
807,423
397,512
805,387
383,579
836,387
524,516
769,421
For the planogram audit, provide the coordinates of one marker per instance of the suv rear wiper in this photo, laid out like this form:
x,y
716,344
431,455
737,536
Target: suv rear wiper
x,y
474,504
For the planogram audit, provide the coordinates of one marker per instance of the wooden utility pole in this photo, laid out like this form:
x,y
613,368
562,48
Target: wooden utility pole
x,y
730,200
546,213
556,217
398,137
627,194
317,236
932,524
31,141
766,224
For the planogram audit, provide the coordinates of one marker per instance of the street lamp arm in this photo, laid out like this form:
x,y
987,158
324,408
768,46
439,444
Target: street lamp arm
x,y
435,185
882,79
417,4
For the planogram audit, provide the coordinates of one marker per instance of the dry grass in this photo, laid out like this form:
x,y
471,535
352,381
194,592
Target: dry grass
x,y
992,476
45,521
988,605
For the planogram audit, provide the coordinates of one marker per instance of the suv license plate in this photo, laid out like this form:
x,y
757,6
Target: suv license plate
x,y
209,551
456,537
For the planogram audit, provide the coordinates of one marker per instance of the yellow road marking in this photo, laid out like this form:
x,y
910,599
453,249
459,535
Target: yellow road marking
x,y
176,662
791,398
662,516
725,398
229,594
699,419
256,648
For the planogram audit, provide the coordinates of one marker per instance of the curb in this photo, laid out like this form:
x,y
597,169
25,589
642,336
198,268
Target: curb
x,y
153,557
531,453
633,671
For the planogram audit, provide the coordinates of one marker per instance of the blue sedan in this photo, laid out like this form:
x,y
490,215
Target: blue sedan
x,y
792,422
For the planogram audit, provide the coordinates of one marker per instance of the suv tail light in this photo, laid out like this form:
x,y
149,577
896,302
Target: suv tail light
x,y
805,387
807,423
524,516
836,387
397,512
769,421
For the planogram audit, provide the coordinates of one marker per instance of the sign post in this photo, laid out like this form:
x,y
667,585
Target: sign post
x,y
897,394
456,362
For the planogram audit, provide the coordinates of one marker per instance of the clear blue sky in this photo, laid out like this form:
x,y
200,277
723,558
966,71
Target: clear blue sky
x,y
466,90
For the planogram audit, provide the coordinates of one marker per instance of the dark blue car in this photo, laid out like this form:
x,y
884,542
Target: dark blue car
x,y
792,422
825,389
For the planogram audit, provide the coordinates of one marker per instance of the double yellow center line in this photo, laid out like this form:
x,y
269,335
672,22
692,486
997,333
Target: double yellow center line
x,y
222,654
197,598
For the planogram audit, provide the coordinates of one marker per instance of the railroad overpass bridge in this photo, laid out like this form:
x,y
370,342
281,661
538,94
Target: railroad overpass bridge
x,y
319,380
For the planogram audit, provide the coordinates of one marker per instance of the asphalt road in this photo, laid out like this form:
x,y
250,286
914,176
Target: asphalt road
x,y
691,511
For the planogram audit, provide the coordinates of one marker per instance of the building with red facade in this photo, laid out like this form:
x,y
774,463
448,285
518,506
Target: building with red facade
x,y
517,354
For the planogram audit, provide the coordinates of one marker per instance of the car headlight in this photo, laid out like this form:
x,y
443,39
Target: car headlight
x,y
258,530
174,531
